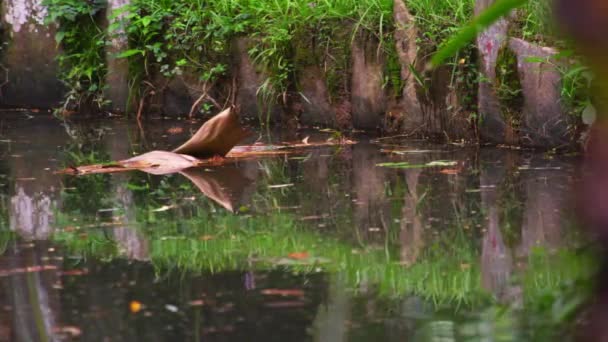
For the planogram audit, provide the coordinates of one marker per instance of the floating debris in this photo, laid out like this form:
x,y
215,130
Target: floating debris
x,y
407,165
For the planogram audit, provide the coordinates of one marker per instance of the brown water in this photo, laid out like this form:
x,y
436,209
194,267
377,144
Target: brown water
x,y
324,244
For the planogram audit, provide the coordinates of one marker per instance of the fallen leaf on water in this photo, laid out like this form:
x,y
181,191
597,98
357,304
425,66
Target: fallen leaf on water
x,y
196,302
284,304
406,165
283,292
313,217
278,186
163,208
68,330
388,150
29,269
74,272
450,171
135,306
442,163
175,130
171,308
298,255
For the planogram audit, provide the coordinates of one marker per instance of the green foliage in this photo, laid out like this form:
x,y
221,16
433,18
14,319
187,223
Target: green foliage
x,y
438,20
82,60
535,21
576,87
508,86
169,37
576,80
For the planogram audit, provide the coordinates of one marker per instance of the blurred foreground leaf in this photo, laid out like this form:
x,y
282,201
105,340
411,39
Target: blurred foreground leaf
x,y
488,17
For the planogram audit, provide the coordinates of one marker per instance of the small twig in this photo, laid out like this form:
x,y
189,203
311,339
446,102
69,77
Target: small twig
x,y
196,104
200,99
140,108
148,91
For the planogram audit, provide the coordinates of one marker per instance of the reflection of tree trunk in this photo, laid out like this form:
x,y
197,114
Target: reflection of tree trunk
x,y
332,317
31,216
496,259
33,298
34,191
546,194
411,235
370,209
132,243
316,173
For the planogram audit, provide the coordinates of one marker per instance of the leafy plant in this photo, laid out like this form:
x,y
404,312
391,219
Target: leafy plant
x,y
82,61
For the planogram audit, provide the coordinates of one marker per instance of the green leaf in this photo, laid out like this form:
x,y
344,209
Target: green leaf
x,y
488,17
589,115
130,53
59,36
533,59
145,21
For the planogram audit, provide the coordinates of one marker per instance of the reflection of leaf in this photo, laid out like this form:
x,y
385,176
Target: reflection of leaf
x,y
225,185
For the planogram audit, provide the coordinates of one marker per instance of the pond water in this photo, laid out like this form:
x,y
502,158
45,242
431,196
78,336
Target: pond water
x,y
384,240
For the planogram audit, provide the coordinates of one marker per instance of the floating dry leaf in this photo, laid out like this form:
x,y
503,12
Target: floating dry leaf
x,y
171,308
450,171
283,292
298,255
279,186
196,302
407,165
74,272
163,208
175,130
284,304
70,330
29,269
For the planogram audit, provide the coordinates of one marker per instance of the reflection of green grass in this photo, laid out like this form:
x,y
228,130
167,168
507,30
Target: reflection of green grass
x,y
92,243
446,272
6,237
225,242
557,283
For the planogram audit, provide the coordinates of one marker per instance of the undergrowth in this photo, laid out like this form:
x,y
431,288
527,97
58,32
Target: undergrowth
x,y
82,40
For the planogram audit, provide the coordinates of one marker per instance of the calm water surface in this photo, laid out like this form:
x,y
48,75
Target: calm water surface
x,y
323,244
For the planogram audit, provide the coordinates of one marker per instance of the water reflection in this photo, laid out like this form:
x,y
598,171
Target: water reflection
x,y
321,244
30,295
